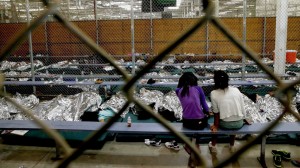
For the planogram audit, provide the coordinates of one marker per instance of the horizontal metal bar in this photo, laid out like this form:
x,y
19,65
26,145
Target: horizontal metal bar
x,y
146,128
37,83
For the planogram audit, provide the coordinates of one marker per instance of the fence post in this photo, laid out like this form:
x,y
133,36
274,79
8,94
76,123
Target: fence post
x,y
280,36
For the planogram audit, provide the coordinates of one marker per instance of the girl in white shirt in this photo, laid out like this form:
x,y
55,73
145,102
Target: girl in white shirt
x,y
227,106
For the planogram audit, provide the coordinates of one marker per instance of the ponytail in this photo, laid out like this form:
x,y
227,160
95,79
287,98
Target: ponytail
x,y
185,81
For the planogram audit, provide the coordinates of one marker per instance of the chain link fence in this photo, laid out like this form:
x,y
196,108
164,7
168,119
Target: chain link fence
x,y
112,40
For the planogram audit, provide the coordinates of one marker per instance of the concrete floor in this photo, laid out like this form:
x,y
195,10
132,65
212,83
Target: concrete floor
x,y
134,155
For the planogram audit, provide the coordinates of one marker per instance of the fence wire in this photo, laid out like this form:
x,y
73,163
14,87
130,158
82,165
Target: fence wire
x,y
282,93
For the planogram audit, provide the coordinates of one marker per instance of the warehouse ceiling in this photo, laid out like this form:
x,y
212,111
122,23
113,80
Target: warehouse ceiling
x,y
21,10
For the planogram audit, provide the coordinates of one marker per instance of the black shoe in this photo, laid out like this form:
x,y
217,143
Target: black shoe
x,y
284,154
277,160
296,163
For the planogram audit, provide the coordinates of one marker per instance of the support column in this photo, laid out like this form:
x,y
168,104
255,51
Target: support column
x,y
244,36
30,45
217,8
281,36
132,38
96,19
151,30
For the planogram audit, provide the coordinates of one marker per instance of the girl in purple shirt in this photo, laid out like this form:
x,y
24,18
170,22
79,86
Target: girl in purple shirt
x,y
194,106
193,102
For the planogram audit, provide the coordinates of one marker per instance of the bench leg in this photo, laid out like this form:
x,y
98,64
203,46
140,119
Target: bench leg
x,y
57,153
262,158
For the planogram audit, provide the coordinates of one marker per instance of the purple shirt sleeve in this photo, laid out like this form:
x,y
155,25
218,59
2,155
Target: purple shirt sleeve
x,y
203,100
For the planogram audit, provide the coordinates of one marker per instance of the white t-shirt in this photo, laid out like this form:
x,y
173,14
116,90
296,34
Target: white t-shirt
x,y
229,103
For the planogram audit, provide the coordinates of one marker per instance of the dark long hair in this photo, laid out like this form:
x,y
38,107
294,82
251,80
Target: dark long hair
x,y
187,79
221,79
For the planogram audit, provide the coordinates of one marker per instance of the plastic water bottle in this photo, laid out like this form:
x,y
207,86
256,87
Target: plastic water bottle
x,y
129,121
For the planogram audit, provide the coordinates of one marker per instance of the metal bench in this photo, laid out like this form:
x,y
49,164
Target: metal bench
x,y
154,128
